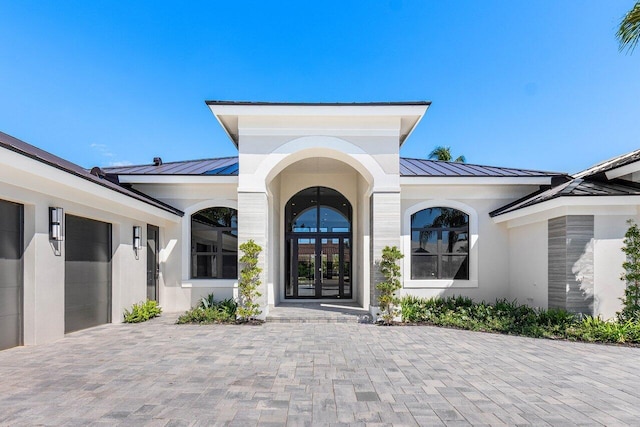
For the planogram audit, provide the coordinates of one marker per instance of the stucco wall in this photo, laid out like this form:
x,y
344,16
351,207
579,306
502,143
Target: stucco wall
x,y
178,291
490,246
528,281
608,258
44,261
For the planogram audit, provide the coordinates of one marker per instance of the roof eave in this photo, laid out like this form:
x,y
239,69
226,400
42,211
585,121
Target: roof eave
x,y
411,109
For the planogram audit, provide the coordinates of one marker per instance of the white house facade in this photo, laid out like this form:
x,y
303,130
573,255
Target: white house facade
x,y
323,189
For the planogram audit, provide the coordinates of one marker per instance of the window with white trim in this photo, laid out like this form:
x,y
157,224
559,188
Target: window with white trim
x,y
439,244
214,243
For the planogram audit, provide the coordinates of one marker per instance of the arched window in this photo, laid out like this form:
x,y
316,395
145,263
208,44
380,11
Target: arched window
x,y
439,244
214,244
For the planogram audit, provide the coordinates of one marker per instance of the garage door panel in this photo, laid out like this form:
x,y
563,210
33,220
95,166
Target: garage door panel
x,y
10,331
8,247
11,283
87,273
10,301
86,293
83,318
10,273
8,220
88,251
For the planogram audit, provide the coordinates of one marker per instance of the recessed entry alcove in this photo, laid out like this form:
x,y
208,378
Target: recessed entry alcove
x,y
318,244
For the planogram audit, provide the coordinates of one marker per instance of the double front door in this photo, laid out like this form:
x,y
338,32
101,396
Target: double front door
x,y
319,267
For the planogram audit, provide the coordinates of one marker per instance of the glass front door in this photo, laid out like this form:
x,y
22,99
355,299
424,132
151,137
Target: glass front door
x,y
320,267
318,244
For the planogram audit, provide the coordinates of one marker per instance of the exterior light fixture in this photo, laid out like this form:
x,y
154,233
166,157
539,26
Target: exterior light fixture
x,y
56,223
137,239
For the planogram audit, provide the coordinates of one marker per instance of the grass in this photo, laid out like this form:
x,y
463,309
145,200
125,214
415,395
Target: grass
x,y
509,317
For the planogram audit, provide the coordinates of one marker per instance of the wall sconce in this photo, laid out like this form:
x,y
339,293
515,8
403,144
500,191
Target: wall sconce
x,y
137,237
56,222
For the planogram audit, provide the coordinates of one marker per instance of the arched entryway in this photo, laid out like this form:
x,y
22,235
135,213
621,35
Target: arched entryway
x,y
318,244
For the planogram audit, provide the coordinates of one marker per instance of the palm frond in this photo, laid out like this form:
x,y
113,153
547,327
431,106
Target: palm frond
x,y
629,31
441,153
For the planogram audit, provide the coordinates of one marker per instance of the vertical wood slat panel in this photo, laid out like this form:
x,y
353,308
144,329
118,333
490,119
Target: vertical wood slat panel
x,y
570,257
557,262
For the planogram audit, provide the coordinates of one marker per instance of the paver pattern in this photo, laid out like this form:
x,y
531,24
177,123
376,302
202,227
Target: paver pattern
x,y
163,374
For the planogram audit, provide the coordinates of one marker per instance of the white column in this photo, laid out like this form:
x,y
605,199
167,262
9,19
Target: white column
x,y
385,231
253,224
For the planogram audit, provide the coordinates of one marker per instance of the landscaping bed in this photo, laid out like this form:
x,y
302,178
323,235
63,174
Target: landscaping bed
x,y
210,311
509,317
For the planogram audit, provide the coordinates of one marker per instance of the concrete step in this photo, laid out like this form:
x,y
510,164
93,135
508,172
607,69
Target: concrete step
x,y
317,313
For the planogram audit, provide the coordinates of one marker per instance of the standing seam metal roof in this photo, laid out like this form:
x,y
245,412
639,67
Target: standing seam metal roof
x,y
577,187
228,166
610,164
423,167
219,166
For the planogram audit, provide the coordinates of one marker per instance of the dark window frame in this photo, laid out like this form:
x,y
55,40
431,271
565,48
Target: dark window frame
x,y
441,245
218,253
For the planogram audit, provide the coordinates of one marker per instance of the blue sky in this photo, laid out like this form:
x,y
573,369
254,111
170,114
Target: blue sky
x,y
532,84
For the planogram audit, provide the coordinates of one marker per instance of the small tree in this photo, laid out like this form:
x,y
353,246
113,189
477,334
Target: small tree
x,y
631,275
391,271
248,308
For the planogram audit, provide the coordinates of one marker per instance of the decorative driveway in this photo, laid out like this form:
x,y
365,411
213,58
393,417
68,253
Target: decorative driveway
x,y
313,373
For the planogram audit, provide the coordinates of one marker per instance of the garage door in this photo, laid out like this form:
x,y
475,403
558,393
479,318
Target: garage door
x,y
87,280
10,274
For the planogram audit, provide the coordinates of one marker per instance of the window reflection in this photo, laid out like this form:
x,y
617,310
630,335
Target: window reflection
x,y
440,244
214,243
318,209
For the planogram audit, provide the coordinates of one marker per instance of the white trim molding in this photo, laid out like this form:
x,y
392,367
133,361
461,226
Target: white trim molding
x,y
473,250
210,283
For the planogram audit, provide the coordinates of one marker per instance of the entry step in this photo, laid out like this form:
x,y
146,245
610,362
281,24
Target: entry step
x,y
318,313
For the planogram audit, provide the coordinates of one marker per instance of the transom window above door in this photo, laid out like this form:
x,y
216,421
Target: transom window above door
x,y
318,210
439,244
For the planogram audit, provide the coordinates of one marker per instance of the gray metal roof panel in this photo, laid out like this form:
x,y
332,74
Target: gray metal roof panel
x,y
610,164
228,166
224,166
423,167
14,144
577,187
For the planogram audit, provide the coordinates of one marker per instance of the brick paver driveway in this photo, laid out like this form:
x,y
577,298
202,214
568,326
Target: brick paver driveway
x,y
299,374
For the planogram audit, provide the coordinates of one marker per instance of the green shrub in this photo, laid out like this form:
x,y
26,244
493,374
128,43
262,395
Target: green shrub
x,y
594,329
387,289
142,311
509,317
208,301
249,281
631,300
209,310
